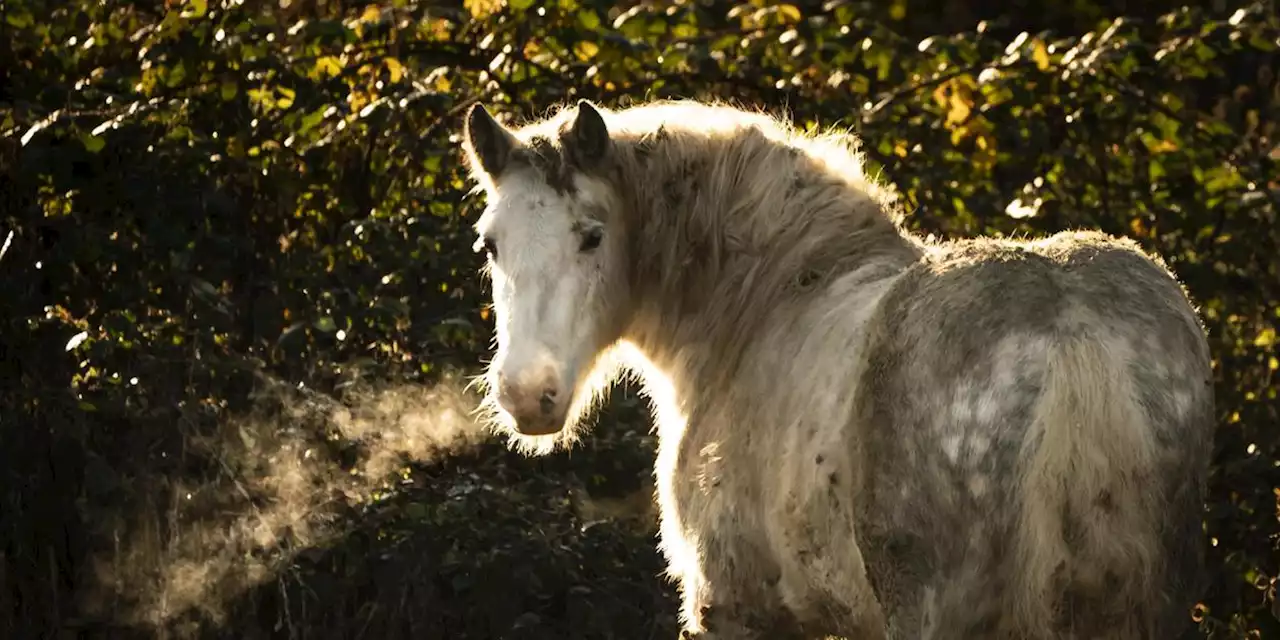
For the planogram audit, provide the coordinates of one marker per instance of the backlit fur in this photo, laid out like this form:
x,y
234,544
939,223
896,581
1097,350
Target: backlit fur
x,y
870,435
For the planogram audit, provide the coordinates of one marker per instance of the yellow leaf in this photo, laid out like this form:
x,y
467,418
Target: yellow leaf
x,y
372,13
586,50
394,68
1266,338
1040,54
985,157
286,97
940,95
1137,227
357,99
960,105
788,13
328,65
482,8
196,9
147,84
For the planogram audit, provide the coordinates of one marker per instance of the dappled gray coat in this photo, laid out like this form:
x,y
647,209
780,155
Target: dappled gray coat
x,y
861,432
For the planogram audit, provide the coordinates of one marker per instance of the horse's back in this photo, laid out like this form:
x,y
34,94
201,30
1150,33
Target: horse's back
x,y
1037,420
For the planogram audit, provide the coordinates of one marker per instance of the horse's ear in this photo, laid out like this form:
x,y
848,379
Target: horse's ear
x,y
587,140
488,144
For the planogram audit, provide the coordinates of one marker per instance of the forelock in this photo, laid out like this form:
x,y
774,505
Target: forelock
x,y
549,160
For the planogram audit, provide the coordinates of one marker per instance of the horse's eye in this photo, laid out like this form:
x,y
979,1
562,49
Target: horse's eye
x,y
491,248
591,239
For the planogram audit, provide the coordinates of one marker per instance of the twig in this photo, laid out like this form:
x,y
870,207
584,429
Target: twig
x,y
8,240
870,114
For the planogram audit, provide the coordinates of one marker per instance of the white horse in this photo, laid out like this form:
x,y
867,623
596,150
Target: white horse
x,y
861,433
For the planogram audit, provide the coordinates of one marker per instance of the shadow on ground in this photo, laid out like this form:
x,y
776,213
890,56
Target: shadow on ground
x,y
487,546
385,515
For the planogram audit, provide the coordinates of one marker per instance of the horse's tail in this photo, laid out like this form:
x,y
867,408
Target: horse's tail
x,y
1089,533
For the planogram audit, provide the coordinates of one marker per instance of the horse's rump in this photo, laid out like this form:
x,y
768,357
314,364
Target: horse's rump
x,y
1038,414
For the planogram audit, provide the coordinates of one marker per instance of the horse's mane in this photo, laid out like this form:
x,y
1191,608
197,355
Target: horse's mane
x,y
733,213
836,150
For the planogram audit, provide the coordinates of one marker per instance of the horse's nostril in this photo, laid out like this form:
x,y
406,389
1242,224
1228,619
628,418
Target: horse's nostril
x,y
548,401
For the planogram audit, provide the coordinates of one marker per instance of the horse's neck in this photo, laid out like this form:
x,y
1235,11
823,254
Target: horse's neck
x,y
712,276
692,372
700,343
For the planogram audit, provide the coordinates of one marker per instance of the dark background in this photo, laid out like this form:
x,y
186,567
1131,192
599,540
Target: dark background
x,y
238,294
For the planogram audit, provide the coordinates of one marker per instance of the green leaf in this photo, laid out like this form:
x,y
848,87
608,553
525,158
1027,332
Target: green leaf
x,y
177,73
92,143
1156,168
229,89
325,324
416,511
20,19
589,20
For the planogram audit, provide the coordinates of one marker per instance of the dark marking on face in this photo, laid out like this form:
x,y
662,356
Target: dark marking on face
x,y
819,459
833,478
1106,502
808,278
544,156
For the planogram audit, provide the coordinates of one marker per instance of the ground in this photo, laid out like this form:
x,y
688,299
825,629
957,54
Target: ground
x,y
478,543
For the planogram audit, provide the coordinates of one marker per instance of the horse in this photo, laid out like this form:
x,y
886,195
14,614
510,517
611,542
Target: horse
x,y
861,432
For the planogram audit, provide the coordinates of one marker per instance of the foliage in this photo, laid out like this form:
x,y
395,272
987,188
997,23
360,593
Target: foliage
x,y
201,194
